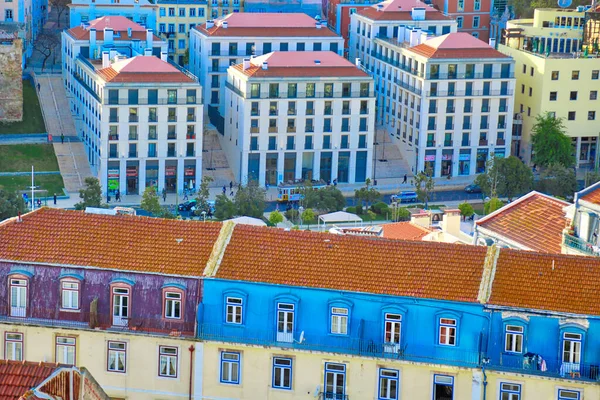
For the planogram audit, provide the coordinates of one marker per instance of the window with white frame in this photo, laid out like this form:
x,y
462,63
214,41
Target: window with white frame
x,y
571,348
13,346
513,342
459,22
117,356
230,367
173,305
510,391
565,394
167,361
388,384
447,332
443,387
339,320
282,373
18,297
393,325
70,295
65,350
234,310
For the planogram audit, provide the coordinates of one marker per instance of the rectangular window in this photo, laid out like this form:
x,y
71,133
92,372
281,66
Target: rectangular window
x,y
388,384
117,356
230,367
571,116
70,295
513,339
335,381
459,22
18,297
234,310
572,348
555,75
447,332
573,96
167,361
591,115
13,346
328,90
443,387
575,75
510,391
476,22
595,74
310,90
173,305
65,350
339,321
172,96
477,5
285,314
593,94
282,373
553,96
564,394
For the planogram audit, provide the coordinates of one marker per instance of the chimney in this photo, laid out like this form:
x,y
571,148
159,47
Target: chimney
x,y
210,23
379,7
129,32
418,13
401,32
324,23
105,59
318,25
147,52
246,63
420,217
492,42
451,221
112,54
317,62
265,65
149,38
423,37
163,55
224,24
357,62
92,38
108,36
414,37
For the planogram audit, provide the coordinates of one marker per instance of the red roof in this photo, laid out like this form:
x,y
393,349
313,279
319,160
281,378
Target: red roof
x,y
117,23
593,196
456,45
143,69
18,377
404,230
400,10
534,221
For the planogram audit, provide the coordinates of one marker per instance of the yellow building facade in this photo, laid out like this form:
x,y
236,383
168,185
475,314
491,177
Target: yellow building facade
x,y
554,76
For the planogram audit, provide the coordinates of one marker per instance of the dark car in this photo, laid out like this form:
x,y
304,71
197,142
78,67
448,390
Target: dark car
x,y
187,206
473,189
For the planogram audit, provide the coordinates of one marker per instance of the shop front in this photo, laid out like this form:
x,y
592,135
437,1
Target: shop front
x,y
289,167
430,161
361,166
171,176
189,175
482,156
271,169
113,176
464,162
307,165
133,177
253,167
152,174
500,153
325,165
447,162
343,166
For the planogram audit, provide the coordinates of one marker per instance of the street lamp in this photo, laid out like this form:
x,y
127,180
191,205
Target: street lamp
x,y
204,215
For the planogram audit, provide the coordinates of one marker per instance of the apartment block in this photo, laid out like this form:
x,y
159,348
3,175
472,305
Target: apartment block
x,y
222,8
338,13
142,12
139,115
24,19
472,17
216,45
309,7
299,116
555,75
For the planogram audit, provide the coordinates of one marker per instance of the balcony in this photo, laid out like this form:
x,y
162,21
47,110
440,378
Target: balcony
x,y
310,111
273,112
152,119
113,118
190,135
133,118
171,153
483,142
255,113
113,137
291,112
431,143
133,136
113,154
450,110
582,246
364,111
466,126
345,111
171,136
332,396
432,110
190,153
500,142
449,127
254,129
291,129
273,129
448,143
465,143
132,154
501,125
151,153
191,118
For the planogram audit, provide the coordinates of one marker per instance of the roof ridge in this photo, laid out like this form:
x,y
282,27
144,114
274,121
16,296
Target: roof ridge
x,y
218,250
488,274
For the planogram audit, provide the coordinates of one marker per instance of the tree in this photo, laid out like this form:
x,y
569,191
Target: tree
x,y
400,214
150,201
367,194
492,205
45,44
591,177
308,216
275,218
250,200
224,207
424,184
203,195
328,199
60,6
91,195
525,8
11,204
505,177
558,181
466,210
550,143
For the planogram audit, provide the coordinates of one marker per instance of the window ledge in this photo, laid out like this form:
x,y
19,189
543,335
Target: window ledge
x,y
70,310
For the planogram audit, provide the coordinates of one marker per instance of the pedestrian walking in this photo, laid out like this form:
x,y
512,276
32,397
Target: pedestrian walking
x,y
54,198
231,194
230,185
164,193
62,138
224,189
38,85
118,196
405,178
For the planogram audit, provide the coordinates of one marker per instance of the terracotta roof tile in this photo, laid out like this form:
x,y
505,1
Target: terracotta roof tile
x,y
404,230
592,197
431,52
535,221
143,69
17,377
555,282
358,264
258,72
119,242
373,14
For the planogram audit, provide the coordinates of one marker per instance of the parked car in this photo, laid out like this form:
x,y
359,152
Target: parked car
x,y
473,188
405,197
187,206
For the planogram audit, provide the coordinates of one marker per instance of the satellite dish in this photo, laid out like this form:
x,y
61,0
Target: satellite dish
x,y
301,339
565,3
317,391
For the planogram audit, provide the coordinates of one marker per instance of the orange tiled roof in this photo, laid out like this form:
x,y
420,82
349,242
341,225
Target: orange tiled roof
x,y
535,221
556,282
17,377
358,264
143,69
257,72
592,197
373,14
430,52
119,242
404,230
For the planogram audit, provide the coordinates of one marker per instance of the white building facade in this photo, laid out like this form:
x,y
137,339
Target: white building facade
x,y
218,44
139,116
299,116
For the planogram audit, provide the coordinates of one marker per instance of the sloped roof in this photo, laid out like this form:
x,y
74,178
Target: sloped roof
x,y
404,230
400,10
143,69
18,377
353,263
456,45
117,23
535,221
129,243
591,194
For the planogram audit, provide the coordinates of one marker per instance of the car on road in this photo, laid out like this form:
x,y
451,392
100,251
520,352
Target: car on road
x,y
187,206
405,197
473,188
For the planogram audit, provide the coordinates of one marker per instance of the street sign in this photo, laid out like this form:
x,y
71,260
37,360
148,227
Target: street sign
x,y
565,3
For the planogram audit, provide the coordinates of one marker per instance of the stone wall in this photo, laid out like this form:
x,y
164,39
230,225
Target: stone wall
x,y
11,80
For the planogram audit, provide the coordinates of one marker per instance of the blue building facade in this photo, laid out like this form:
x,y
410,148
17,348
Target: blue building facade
x,y
141,12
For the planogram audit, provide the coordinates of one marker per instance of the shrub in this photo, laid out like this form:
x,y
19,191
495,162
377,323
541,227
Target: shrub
x,y
351,209
380,208
292,214
402,214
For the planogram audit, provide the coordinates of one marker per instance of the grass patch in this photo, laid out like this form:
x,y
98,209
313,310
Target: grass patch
x,y
431,206
20,158
51,183
33,122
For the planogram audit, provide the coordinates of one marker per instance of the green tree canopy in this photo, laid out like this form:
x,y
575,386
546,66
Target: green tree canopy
x,y
308,216
203,195
91,195
224,207
425,184
492,205
11,204
556,180
367,194
466,210
275,218
150,201
550,143
505,177
328,199
250,200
